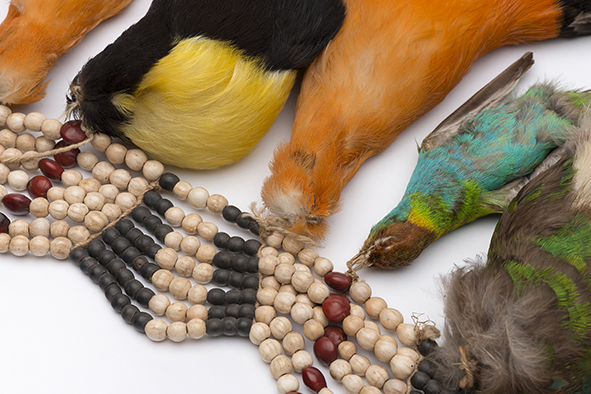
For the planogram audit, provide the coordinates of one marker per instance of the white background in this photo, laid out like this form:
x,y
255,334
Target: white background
x,y
58,334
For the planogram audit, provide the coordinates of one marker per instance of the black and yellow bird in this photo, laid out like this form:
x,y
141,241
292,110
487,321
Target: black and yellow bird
x,y
197,83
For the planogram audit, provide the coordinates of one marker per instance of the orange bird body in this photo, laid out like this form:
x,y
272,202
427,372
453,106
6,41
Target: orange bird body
x,y
391,62
35,33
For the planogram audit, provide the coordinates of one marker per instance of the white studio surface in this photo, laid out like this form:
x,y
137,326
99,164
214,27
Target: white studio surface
x,y
58,333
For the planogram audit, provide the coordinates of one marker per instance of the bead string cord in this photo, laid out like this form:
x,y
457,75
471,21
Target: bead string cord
x,y
284,281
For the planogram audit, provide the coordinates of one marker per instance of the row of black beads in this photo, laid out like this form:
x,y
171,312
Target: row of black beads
x,y
229,326
236,280
100,275
236,262
236,244
221,297
423,378
234,215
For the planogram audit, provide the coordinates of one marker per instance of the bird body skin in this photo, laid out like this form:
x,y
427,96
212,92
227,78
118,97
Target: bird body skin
x,y
390,63
35,33
524,318
197,83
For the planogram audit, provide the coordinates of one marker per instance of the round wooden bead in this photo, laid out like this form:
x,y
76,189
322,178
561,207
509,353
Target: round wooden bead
x,y
302,268
259,332
280,326
372,326
407,334
116,153
55,193
302,280
120,178
353,383
87,160
197,294
59,228
34,120
51,129
376,375
3,192
289,289
410,353
313,330
367,338
320,316
166,258
135,159
179,288
269,349
286,258
39,246
100,141
196,328
318,292
307,256
266,296
39,207
274,240
174,216
102,171
96,221
202,273
10,153
216,203
357,310
279,366
161,279
137,186
39,227
30,164
292,246
78,234
18,180
283,272
158,304
5,111
173,240
198,198
300,360
71,178
191,222
190,245
184,266
395,386
60,248
111,211
152,170
125,200
110,192
267,264
16,122
265,314
339,368
402,366
207,230
177,311
385,350
4,242
269,282
77,212
4,171
91,185
177,331
374,305
25,142
156,330
268,250
74,195
304,299
352,324
360,292
370,390
300,313
205,253
359,364
58,209
287,384
293,342
197,312
44,144
7,138
18,227
182,189
283,302
390,318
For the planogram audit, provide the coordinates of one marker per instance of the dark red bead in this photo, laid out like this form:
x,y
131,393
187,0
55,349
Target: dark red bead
x,y
38,186
66,159
338,281
51,169
17,204
336,307
313,378
72,133
335,334
325,350
4,222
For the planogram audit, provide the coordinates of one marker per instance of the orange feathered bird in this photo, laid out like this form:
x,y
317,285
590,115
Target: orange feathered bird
x,y
35,33
391,62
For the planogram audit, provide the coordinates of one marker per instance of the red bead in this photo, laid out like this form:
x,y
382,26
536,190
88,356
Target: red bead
x,y
66,159
38,186
51,169
16,203
338,281
313,378
72,133
4,222
325,350
336,307
335,334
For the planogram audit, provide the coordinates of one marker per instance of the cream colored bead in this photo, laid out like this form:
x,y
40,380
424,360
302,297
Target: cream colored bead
x,y
318,292
287,384
77,212
385,350
125,200
323,266
18,180
302,267
339,368
269,349
286,258
116,153
280,366
394,386
302,280
407,334
179,288
156,330
370,390
16,122
283,272
197,294
60,248
190,245
10,153
268,250
191,222
18,227
58,209
196,328
39,227
158,304
135,159
102,171
376,375
120,178
258,333
357,310
300,360
177,311
293,342
166,258
177,331
307,256
367,338
280,326
74,195
71,178
184,266
388,338
87,160
283,302
55,193
25,142
390,318
78,234
325,390
173,240
111,211
274,240
110,192
7,138
152,170
51,129
320,316
39,246
182,189
288,288
202,273
353,383
90,185
347,349
402,366
161,279
4,171
44,144
96,221
101,141
360,292
174,216
267,264
265,314
313,330
137,186
292,246
39,207
359,364
19,245
352,324
304,299
207,230
3,192
59,228
216,203
266,296
31,164
197,312
4,242
198,198
269,282
410,353
205,253
374,305
5,111
34,120
372,326
300,313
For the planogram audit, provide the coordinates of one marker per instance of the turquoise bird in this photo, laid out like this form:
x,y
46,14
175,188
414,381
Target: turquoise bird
x,y
521,323
474,164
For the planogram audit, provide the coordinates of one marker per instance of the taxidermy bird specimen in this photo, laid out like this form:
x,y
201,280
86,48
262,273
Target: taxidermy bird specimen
x,y
35,33
391,62
523,320
474,163
197,83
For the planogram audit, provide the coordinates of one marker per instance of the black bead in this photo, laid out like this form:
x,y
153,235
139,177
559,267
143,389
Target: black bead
x,y
243,326
230,213
124,225
419,380
247,310
232,310
138,263
105,257
86,263
143,242
140,213
235,244
131,287
129,254
229,326
216,297
221,277
119,301
110,234
144,295
168,181
250,282
151,198
106,280
235,280
432,387
95,272
151,222
148,270
95,247
161,231
251,247
77,254
221,240
243,220
252,266
213,327
140,320
133,234
239,263
428,367
152,250
427,347
216,312
112,290
254,228
234,297
115,265
222,259
123,276
249,296
120,244
163,205
128,312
